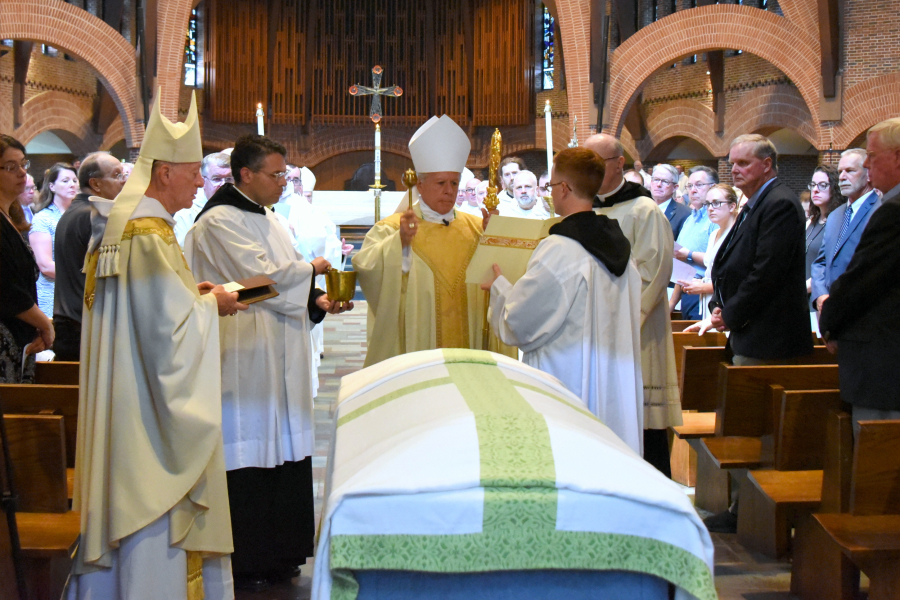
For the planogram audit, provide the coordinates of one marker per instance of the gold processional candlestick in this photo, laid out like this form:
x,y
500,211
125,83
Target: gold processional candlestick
x,y
410,179
491,202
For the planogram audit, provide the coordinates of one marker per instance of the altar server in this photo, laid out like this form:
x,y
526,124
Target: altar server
x,y
149,467
267,407
576,311
412,265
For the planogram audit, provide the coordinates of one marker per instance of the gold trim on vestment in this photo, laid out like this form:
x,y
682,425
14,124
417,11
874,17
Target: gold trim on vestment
x,y
149,226
194,575
508,242
90,279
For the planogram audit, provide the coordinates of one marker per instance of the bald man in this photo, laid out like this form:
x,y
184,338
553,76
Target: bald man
x,y
526,206
652,248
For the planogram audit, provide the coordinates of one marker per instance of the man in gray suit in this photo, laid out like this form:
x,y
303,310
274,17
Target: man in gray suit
x,y
860,318
845,224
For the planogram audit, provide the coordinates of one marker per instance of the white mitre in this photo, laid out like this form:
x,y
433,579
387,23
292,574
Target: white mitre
x,y
440,145
308,179
165,141
465,178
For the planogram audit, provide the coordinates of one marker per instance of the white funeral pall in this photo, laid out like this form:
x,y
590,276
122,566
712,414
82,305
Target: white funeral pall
x,y
463,461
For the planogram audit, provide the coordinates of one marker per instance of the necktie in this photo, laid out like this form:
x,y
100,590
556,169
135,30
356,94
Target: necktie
x,y
845,226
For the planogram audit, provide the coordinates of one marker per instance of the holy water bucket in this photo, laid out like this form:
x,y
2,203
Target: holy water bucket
x,y
340,285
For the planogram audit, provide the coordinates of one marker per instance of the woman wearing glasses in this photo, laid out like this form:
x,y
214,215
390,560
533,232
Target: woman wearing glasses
x,y
59,189
22,324
825,196
722,207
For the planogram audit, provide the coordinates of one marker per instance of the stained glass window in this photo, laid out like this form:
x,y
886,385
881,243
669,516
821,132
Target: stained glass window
x,y
548,49
190,51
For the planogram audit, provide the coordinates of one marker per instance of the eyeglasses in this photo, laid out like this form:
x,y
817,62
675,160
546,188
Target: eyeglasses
x,y
12,167
294,180
657,180
717,203
610,158
470,190
691,186
123,176
550,184
30,188
220,180
276,176
822,185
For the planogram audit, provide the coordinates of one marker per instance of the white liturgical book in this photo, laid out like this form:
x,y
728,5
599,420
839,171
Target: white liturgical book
x,y
509,243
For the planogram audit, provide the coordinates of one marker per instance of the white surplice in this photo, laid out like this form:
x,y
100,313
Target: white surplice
x,y
184,218
267,397
149,466
512,209
580,323
652,249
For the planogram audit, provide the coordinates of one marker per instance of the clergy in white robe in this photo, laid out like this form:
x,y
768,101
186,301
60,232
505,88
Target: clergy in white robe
x,y
412,265
527,204
652,248
216,171
267,402
576,311
149,465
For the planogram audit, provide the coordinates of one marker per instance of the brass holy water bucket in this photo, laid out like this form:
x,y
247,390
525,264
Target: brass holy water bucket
x,y
340,285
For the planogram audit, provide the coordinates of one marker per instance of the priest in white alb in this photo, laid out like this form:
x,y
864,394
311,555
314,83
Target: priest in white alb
x,y
412,265
149,465
576,311
653,250
267,400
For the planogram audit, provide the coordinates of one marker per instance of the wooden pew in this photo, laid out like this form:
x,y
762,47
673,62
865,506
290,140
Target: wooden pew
x,y
679,325
56,373
681,340
833,548
33,399
775,500
37,449
743,417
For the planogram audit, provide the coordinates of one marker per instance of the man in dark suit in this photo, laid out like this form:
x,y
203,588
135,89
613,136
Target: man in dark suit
x,y
861,316
663,184
845,224
759,274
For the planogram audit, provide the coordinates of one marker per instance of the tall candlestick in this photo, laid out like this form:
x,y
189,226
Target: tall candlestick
x,y
549,136
260,128
377,155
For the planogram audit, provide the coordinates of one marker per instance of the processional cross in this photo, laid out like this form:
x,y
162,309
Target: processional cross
x,y
375,114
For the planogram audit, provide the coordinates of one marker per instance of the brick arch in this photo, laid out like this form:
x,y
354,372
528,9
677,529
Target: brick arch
x,y
114,134
173,16
866,104
80,34
574,18
778,106
790,48
57,112
682,118
802,12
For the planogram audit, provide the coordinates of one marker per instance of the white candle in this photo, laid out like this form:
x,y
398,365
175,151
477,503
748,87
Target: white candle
x,y
549,136
260,128
377,154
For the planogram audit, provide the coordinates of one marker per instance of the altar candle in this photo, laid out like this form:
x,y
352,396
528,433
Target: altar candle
x,y
377,155
549,136
260,129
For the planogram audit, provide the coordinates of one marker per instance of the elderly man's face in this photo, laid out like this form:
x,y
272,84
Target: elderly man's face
x,y
697,187
293,178
460,196
184,180
216,178
26,198
853,179
882,162
481,192
111,182
508,174
662,187
525,189
438,190
748,171
470,189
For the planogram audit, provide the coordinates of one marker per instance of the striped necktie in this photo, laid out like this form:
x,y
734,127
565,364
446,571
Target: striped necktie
x,y
845,226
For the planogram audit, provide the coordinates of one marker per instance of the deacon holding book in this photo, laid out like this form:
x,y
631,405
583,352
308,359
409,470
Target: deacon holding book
x,y
267,391
149,466
576,311
412,265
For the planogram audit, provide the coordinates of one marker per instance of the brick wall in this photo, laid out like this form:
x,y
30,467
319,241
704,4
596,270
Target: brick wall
x,y
871,39
796,170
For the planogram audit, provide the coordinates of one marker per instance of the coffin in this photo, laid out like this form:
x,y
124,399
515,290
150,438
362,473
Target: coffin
x,y
467,474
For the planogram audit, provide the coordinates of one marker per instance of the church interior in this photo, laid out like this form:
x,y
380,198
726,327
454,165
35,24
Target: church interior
x,y
675,81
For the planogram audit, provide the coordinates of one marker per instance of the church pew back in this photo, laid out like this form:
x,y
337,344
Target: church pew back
x,y
56,373
37,449
875,486
682,340
801,426
838,464
679,325
33,399
745,400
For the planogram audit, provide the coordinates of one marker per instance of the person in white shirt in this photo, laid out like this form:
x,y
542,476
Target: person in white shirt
x,y
509,168
471,203
526,206
576,312
645,176
216,172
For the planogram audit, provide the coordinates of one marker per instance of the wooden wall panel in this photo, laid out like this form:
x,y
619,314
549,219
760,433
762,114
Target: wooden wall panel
x,y
470,59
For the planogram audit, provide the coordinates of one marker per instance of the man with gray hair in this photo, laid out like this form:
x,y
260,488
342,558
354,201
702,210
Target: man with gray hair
x,y
845,224
663,185
215,169
860,314
759,273
652,247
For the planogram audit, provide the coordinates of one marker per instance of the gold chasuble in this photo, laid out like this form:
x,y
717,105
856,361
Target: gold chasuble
x,y
431,306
